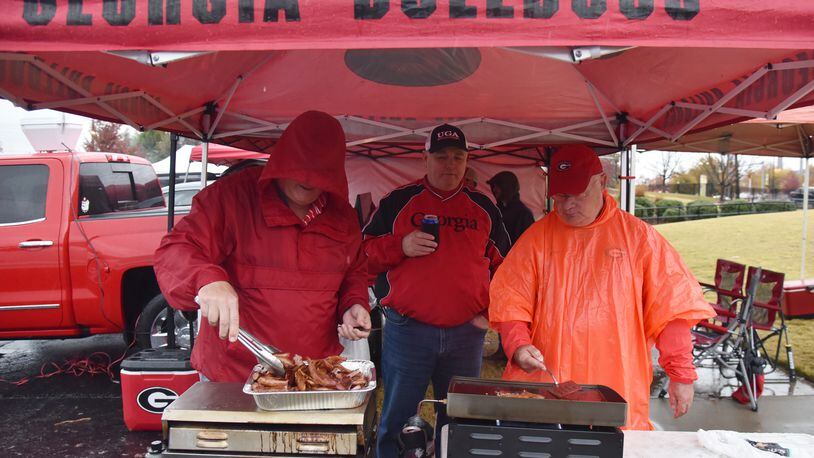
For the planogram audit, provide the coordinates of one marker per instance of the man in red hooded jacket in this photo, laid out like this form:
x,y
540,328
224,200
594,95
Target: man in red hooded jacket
x,y
276,251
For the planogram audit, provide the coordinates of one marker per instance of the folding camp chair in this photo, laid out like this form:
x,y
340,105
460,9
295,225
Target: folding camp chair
x,y
765,313
728,288
734,348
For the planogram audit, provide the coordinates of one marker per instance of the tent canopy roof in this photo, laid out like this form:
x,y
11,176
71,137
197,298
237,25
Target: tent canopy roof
x,y
790,135
223,155
514,78
236,25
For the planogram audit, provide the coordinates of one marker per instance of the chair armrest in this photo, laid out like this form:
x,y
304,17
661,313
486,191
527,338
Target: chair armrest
x,y
706,285
764,305
727,293
725,313
714,327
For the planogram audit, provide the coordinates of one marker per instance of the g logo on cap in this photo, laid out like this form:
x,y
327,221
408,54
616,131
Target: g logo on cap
x,y
563,166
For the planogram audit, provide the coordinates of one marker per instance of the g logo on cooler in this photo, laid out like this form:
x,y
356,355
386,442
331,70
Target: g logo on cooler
x,y
155,399
563,166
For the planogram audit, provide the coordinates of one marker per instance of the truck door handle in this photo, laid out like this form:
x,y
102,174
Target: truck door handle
x,y
35,243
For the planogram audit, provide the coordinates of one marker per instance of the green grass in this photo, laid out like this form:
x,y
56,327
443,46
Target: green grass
x,y
769,240
772,241
680,197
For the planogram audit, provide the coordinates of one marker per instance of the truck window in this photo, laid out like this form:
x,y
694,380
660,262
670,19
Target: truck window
x,y
22,193
112,187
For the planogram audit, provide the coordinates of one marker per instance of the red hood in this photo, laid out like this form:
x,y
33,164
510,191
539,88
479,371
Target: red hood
x,y
310,151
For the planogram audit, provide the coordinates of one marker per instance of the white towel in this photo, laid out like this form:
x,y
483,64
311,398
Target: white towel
x,y
734,445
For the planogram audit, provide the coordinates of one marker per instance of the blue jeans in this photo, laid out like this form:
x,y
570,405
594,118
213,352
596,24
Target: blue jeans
x,y
413,355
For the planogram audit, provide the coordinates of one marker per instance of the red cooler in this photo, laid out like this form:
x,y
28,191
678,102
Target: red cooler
x,y
798,299
151,379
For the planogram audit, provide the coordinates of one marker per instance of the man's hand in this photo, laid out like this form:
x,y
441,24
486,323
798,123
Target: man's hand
x,y
480,322
418,243
681,395
355,323
529,358
218,301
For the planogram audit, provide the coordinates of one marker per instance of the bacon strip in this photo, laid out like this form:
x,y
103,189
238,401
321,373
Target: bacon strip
x,y
303,374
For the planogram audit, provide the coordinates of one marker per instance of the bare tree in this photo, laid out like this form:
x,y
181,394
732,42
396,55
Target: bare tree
x,y
737,178
610,165
725,172
666,167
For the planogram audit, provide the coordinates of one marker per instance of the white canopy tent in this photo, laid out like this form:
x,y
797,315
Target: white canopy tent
x,y
183,165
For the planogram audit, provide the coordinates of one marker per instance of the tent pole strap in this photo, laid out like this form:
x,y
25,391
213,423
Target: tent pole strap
x,y
806,185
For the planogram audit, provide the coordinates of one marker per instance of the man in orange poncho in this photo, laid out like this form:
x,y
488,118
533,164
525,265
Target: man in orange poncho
x,y
588,289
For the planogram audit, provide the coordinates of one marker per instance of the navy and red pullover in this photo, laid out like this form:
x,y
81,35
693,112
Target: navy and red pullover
x,y
450,286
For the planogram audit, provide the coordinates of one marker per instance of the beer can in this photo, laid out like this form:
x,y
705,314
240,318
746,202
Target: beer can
x,y
430,225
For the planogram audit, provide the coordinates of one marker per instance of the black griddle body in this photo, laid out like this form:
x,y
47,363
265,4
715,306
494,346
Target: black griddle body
x,y
483,438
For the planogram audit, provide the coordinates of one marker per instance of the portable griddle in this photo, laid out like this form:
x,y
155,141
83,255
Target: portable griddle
x,y
219,420
485,424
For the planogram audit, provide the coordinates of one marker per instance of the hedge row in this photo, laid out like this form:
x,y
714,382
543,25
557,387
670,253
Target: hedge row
x,y
645,207
668,210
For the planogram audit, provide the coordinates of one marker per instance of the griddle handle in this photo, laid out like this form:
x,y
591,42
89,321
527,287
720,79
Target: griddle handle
x,y
211,444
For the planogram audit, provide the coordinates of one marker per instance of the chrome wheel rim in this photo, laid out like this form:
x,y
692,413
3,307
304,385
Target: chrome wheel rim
x,y
158,330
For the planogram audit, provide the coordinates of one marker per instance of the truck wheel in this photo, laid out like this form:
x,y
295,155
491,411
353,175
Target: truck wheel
x,y
151,326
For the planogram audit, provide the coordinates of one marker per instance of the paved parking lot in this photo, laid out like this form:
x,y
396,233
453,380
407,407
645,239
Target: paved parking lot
x,y
63,415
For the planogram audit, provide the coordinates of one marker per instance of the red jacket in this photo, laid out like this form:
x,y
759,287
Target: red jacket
x,y
450,286
293,282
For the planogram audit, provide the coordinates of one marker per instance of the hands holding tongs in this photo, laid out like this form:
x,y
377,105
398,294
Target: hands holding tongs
x,y
263,352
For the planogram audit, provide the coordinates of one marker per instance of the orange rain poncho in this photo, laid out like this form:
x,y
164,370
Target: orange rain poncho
x,y
596,298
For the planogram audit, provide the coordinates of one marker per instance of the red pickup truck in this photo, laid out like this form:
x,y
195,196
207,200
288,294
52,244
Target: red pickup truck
x,y
77,236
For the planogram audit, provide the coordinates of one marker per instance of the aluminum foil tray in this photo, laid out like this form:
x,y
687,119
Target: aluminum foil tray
x,y
316,400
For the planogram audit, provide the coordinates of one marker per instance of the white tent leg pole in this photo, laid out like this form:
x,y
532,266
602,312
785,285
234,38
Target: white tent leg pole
x,y
189,164
204,163
805,219
627,180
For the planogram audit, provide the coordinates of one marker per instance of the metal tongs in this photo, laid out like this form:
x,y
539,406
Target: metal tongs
x,y
264,353
556,383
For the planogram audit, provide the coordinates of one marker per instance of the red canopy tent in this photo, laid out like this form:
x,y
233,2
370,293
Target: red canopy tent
x,y
516,76
224,155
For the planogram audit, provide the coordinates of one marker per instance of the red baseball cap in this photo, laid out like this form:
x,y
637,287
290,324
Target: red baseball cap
x,y
572,167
